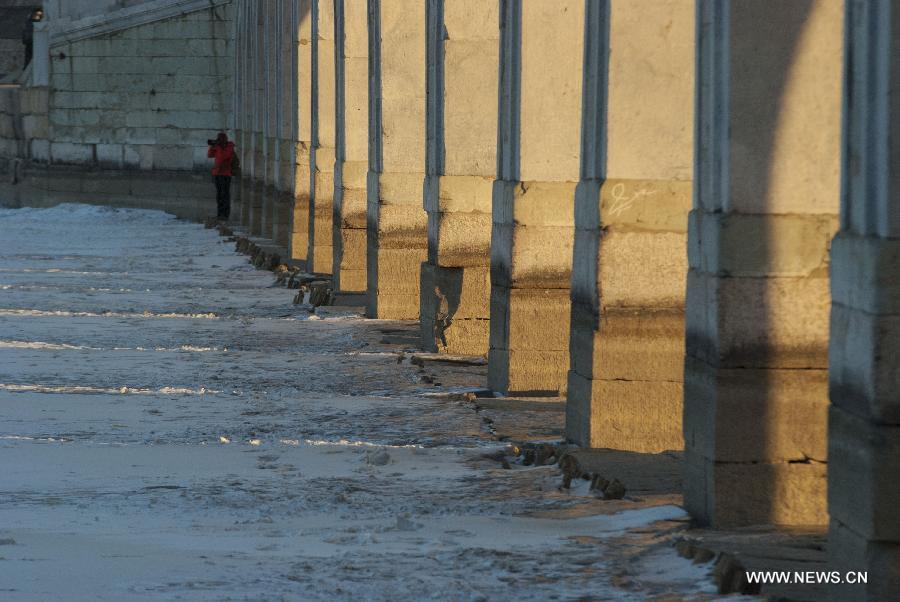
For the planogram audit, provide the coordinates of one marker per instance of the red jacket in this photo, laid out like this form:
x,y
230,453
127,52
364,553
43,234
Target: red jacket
x,y
223,158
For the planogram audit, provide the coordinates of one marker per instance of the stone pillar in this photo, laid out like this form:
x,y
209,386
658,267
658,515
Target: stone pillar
x,y
299,239
396,232
463,57
534,194
351,145
259,112
285,117
270,124
631,209
321,158
238,201
864,373
246,146
766,190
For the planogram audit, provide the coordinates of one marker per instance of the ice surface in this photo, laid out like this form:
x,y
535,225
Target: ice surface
x,y
172,426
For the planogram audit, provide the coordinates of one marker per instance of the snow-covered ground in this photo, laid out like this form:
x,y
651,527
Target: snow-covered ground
x,y
172,426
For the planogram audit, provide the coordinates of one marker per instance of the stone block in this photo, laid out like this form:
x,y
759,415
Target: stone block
x,y
396,188
550,98
393,282
468,336
751,415
399,227
457,239
110,155
35,126
470,193
40,150
529,325
628,344
455,303
353,208
350,260
173,157
864,375
866,273
282,220
299,240
353,281
758,322
729,495
850,553
638,416
642,268
760,245
527,372
863,463
533,233
35,100
71,152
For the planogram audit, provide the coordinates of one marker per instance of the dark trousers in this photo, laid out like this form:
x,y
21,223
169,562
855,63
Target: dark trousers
x,y
29,53
223,196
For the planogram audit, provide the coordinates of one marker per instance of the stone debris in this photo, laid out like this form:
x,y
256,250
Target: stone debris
x,y
312,290
607,489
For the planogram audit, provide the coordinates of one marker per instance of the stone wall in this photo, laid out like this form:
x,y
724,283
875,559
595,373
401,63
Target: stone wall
x,y
145,97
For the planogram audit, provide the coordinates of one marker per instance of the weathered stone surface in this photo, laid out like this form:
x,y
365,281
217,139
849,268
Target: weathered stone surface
x,y
454,309
635,416
299,247
528,340
786,408
851,554
758,299
864,461
727,495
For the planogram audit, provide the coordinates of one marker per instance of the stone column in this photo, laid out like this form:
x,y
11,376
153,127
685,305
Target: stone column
x,y
534,194
351,145
238,202
864,373
463,57
766,191
270,127
299,240
284,125
396,233
631,209
259,117
247,136
321,159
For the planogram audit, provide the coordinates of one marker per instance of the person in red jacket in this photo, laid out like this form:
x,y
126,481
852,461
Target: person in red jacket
x,y
221,150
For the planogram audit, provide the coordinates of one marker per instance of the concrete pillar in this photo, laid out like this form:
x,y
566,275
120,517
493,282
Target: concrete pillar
x,y
396,233
321,159
463,58
533,198
766,190
259,119
864,372
299,239
351,145
631,210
